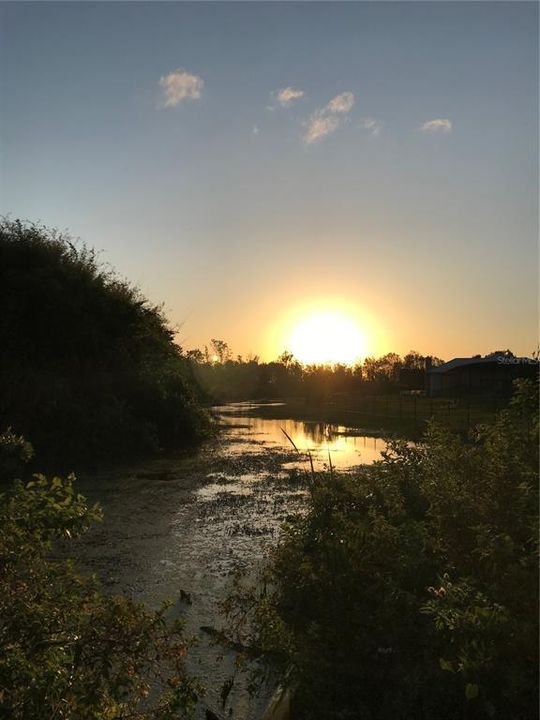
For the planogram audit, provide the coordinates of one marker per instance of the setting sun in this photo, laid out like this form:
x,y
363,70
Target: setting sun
x,y
327,337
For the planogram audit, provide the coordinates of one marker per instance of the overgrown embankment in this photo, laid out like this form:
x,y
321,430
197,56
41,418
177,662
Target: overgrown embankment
x,y
88,366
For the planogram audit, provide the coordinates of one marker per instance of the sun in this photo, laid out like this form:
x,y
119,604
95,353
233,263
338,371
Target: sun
x,y
327,337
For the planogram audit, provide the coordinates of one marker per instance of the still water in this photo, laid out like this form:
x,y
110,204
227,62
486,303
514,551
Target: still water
x,y
179,527
345,447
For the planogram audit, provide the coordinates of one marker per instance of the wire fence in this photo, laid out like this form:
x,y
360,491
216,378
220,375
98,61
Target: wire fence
x,y
458,413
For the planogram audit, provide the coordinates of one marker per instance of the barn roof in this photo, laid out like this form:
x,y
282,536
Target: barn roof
x,y
462,362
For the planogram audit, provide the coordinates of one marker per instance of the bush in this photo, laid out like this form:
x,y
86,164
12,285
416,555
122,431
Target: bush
x,y
67,650
15,452
88,367
410,590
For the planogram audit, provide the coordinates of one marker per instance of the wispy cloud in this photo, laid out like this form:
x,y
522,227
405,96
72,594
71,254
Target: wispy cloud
x,y
288,95
371,124
255,130
326,120
442,125
178,86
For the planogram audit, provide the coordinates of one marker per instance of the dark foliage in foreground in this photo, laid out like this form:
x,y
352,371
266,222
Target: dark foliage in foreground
x,y
15,452
67,650
410,591
88,367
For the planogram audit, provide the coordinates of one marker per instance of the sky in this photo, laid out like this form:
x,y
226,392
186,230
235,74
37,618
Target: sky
x,y
248,163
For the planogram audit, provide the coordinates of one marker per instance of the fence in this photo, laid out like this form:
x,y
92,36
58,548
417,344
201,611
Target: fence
x,y
458,413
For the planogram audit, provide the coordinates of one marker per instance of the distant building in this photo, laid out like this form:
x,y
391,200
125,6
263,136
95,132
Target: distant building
x,y
491,375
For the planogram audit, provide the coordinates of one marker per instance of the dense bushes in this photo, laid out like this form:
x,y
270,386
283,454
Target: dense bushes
x,y
66,649
410,591
88,367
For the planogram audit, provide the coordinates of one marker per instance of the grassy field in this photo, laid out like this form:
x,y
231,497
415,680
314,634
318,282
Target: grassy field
x,y
404,415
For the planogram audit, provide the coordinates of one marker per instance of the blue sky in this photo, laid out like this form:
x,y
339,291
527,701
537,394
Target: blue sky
x,y
397,173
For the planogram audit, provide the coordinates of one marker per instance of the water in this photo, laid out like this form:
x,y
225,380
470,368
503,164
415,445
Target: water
x,y
347,448
178,527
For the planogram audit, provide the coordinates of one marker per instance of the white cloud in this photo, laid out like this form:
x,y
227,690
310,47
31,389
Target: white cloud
x,y
255,130
179,86
287,95
438,125
326,120
372,124
341,103
319,125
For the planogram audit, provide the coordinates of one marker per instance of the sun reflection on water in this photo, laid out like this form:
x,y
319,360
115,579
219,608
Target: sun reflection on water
x,y
346,450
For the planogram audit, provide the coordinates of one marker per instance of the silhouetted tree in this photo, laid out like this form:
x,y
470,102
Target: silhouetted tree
x,y
222,351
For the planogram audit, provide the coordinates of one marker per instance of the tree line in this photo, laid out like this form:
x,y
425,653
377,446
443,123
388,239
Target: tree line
x,y
224,376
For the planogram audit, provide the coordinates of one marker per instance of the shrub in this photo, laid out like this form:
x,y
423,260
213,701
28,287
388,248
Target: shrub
x,y
66,649
88,367
15,452
410,590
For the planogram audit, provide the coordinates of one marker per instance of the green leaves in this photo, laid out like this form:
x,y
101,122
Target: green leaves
x,y
446,665
67,650
15,453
